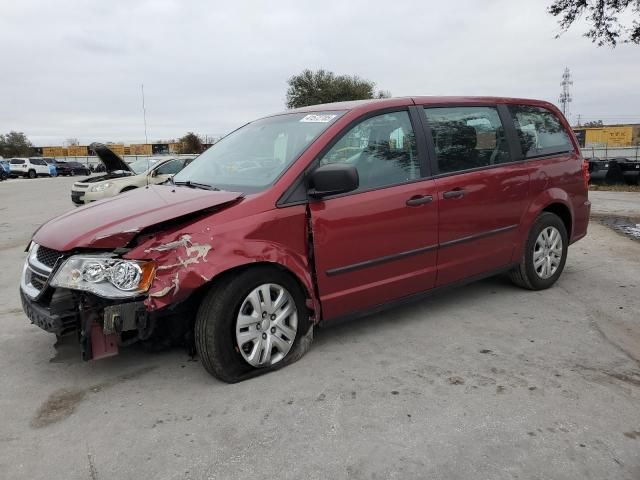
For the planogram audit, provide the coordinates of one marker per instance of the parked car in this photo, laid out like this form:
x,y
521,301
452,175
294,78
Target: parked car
x,y
77,168
60,166
312,215
5,169
30,168
123,177
51,163
54,166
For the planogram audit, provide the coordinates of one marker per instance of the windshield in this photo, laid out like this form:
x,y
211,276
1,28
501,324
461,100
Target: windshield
x,y
142,165
255,155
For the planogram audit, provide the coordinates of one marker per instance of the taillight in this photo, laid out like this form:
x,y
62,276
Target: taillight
x,y
585,173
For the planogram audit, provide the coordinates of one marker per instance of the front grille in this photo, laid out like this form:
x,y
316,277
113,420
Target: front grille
x,y
38,281
37,269
48,256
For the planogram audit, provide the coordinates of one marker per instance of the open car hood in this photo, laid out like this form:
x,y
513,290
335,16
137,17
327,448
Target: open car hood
x,y
111,161
114,222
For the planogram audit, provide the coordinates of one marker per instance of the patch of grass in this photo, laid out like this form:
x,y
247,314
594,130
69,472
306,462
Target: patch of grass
x,y
615,188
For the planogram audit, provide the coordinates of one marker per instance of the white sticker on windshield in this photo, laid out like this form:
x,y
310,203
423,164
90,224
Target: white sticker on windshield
x,y
318,118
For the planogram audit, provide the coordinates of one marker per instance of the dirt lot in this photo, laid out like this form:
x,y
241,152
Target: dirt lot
x,y
488,381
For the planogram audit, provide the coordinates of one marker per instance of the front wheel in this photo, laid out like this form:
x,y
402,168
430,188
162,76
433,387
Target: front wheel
x,y
255,322
544,255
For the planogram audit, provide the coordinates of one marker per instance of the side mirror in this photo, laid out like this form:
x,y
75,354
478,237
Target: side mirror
x,y
333,179
154,173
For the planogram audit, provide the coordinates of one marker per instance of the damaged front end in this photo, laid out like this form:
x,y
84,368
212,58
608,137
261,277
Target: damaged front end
x,y
97,297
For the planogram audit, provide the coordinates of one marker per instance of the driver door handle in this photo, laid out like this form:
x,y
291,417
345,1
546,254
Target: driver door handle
x,y
419,200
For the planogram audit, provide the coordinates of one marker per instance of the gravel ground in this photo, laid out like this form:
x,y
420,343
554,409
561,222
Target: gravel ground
x,y
487,381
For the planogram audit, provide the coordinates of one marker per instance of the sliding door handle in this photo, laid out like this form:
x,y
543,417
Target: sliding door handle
x,y
457,193
419,200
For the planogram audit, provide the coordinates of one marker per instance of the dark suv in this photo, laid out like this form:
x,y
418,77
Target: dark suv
x,y
312,215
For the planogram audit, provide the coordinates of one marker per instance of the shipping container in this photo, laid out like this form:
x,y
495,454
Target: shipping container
x,y
77,151
140,149
609,136
54,151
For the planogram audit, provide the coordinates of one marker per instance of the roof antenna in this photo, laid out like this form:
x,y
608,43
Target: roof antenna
x,y
146,140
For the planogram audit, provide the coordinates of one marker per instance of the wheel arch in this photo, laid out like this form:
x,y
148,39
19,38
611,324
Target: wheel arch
x,y
232,271
553,200
562,211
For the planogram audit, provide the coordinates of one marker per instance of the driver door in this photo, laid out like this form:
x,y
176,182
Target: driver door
x,y
378,243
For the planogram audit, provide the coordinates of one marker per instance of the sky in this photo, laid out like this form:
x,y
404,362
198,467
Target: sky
x,y
74,68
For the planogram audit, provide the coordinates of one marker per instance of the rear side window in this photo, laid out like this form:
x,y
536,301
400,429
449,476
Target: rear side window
x,y
37,161
17,162
467,137
539,131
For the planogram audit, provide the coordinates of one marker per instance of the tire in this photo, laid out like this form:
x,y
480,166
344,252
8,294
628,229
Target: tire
x,y
32,174
526,274
217,317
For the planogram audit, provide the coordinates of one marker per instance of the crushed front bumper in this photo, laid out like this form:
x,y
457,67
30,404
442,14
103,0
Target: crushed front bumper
x,y
60,323
98,324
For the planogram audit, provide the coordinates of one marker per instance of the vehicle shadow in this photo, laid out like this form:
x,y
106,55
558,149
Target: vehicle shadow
x,y
177,359
414,311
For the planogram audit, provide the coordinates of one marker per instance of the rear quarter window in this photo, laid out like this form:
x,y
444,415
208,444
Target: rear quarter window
x,y
540,131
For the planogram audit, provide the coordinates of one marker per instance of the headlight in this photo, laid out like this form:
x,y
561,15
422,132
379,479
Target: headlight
x,y
101,187
105,276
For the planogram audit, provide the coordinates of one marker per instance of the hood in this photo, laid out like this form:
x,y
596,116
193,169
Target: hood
x,y
114,222
111,161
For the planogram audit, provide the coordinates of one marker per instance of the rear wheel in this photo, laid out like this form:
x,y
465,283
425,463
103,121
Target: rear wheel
x,y
253,323
544,255
32,174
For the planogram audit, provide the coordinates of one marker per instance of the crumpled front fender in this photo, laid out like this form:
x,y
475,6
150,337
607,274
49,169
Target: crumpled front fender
x,y
191,256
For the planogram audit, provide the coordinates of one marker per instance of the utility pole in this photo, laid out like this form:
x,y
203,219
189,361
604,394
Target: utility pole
x,y
144,115
565,96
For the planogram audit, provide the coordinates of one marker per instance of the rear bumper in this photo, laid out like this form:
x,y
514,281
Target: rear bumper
x,y
581,221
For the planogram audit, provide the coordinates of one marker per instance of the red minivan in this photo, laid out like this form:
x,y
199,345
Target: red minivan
x,y
311,215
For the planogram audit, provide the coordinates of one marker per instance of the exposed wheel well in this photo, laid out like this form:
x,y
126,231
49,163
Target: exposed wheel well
x,y
563,212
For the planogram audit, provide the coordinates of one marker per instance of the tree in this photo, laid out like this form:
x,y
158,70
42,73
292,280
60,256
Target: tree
x,y
321,86
594,123
190,143
15,144
72,142
603,18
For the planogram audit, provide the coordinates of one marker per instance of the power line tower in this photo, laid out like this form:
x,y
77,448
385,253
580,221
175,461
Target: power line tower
x,y
565,96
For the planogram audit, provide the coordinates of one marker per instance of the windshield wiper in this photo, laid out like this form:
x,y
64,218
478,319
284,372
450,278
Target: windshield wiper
x,y
203,186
